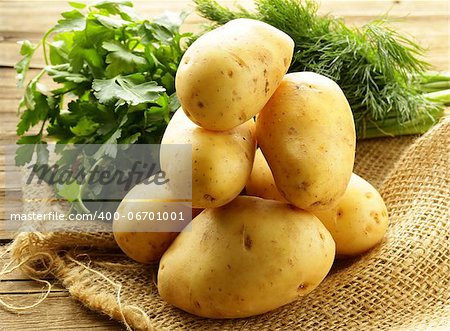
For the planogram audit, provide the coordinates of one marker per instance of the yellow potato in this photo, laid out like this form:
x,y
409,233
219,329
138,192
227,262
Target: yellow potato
x,y
139,237
246,258
360,219
307,135
228,74
144,247
221,161
261,183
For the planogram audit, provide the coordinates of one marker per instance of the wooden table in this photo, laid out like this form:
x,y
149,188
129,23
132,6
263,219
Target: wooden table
x,y
427,21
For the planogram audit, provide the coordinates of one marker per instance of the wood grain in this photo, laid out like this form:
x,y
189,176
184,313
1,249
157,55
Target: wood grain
x,y
58,312
426,21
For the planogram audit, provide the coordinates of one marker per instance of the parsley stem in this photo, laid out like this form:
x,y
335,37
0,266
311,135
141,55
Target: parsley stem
x,y
79,203
42,127
38,76
83,186
44,45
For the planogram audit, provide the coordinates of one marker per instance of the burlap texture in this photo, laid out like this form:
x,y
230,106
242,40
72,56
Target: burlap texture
x,y
401,284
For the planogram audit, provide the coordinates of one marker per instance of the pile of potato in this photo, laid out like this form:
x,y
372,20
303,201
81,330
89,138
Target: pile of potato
x,y
250,253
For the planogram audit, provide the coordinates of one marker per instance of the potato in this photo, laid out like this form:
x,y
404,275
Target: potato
x,y
221,161
246,258
228,74
261,183
142,239
360,219
144,247
307,135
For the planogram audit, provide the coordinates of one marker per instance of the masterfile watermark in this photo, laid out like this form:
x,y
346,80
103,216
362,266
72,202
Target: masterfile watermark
x,y
79,188
97,175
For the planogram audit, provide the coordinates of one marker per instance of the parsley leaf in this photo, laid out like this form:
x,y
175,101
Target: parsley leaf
x,y
73,21
61,73
26,50
123,89
110,22
84,127
121,60
69,191
38,107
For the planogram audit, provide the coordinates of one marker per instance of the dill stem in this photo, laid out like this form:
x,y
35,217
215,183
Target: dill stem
x,y
439,96
435,86
434,76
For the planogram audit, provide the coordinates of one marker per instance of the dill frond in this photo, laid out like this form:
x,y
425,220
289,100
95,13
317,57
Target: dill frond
x,y
373,64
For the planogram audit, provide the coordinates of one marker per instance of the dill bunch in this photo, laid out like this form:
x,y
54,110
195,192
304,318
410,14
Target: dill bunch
x,y
373,65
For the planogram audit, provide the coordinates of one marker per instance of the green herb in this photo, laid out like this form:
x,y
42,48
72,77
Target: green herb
x,y
115,74
373,65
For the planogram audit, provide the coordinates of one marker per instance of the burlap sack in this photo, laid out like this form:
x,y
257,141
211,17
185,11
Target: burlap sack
x,y
401,284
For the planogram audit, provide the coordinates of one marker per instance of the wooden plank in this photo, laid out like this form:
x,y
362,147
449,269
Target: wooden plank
x,y
9,119
9,138
5,236
416,17
58,312
15,206
8,113
28,287
8,88
35,19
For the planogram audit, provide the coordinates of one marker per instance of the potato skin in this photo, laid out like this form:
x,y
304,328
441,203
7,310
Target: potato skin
x,y
261,183
144,247
228,74
137,238
246,258
360,219
221,161
307,135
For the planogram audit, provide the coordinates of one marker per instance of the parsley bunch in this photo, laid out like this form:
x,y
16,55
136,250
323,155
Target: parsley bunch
x,y
115,75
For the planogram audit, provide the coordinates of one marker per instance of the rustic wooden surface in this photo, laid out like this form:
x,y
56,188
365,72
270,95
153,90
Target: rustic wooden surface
x,y
427,21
